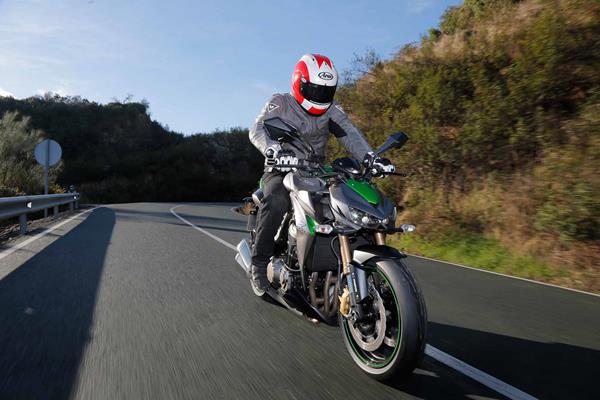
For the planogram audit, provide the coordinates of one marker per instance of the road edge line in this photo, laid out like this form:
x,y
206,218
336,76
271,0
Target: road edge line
x,y
8,251
218,239
505,275
477,375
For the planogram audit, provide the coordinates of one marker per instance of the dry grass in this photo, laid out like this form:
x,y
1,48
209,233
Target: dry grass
x,y
496,215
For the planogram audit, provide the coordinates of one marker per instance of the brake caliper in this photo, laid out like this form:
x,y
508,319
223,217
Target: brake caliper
x,y
345,303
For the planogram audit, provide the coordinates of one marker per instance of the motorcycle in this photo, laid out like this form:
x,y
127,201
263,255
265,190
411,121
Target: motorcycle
x,y
331,263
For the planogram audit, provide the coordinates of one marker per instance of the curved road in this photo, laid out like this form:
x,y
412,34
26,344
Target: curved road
x,y
128,301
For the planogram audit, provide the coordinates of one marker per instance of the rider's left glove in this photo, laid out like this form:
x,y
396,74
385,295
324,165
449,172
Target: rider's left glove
x,y
380,166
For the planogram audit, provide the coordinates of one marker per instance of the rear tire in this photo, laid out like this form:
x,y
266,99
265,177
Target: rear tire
x,y
409,317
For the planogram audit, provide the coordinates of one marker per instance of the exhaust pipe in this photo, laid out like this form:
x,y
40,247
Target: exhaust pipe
x,y
244,256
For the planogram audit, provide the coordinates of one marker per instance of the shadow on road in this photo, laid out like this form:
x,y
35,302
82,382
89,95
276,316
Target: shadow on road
x,y
543,370
46,312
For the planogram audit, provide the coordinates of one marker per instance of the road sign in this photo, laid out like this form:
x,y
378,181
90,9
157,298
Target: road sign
x,y
48,152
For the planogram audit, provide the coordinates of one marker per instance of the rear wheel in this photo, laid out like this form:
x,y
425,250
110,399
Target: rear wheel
x,y
390,342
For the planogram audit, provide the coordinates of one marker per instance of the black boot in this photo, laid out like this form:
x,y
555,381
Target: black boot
x,y
258,277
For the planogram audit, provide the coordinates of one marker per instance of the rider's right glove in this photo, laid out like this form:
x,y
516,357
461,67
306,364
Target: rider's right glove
x,y
278,158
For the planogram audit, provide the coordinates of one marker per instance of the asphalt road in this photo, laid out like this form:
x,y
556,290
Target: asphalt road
x,y
130,302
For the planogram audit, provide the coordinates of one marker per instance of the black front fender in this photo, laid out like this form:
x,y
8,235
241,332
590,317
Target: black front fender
x,y
364,253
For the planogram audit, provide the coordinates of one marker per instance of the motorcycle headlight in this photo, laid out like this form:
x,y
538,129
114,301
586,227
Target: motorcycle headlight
x,y
366,220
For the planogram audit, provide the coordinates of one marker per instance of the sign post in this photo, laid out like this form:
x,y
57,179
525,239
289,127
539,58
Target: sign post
x,y
47,153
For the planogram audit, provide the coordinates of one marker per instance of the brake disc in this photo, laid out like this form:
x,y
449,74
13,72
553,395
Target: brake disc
x,y
374,340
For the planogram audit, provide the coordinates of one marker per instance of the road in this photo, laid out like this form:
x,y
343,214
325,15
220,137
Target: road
x,y
128,301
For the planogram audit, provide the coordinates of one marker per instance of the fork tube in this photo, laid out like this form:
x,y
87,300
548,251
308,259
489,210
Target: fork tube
x,y
346,252
380,238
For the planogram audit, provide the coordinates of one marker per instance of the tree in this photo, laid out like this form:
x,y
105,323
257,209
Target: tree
x,y
19,172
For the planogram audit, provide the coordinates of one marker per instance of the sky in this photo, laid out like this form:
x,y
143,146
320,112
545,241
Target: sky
x,y
202,65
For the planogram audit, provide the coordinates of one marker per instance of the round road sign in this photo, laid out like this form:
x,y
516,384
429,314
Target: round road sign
x,y
48,149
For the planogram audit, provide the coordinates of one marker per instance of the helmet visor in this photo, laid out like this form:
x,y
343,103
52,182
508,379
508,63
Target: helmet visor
x,y
317,93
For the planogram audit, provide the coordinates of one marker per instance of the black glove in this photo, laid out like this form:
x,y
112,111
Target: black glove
x,y
379,166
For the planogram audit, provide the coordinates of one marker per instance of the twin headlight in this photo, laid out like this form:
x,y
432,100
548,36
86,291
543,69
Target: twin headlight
x,y
366,220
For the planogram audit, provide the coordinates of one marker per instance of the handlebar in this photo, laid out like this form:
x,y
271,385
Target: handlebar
x,y
305,165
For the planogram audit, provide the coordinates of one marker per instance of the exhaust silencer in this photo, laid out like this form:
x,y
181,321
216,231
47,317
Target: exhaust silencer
x,y
244,256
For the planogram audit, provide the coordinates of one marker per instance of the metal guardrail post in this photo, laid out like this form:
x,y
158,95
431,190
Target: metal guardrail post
x,y
23,224
55,211
71,206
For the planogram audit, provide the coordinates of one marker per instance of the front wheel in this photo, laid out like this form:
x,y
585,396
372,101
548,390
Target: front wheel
x,y
390,342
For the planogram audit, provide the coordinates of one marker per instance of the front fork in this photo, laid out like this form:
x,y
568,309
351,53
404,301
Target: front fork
x,y
356,288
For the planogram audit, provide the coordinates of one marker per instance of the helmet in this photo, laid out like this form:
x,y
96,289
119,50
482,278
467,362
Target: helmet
x,y
314,82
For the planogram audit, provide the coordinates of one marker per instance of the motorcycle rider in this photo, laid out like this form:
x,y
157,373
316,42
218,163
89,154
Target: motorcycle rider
x,y
311,109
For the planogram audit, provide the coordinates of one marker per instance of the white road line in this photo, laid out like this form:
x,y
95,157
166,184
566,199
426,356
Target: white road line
x,y
6,252
505,275
218,239
477,375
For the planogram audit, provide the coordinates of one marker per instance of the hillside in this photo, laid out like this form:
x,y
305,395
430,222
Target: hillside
x,y
502,107
117,153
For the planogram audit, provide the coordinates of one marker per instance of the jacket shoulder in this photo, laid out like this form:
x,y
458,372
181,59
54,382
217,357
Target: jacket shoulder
x,y
276,103
278,98
336,110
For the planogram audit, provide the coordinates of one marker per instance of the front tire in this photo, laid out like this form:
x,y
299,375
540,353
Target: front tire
x,y
406,324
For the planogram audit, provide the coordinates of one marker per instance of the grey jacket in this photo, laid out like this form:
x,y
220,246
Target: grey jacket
x,y
315,129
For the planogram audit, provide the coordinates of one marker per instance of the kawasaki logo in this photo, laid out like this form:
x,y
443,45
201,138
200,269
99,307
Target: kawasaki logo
x,y
326,76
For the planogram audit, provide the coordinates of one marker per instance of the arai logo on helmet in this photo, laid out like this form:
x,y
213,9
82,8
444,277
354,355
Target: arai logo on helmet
x,y
327,76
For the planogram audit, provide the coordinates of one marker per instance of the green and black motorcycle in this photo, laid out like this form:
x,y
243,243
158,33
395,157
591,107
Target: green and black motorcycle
x,y
331,262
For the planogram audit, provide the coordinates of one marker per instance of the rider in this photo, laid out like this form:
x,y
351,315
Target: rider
x,y
311,109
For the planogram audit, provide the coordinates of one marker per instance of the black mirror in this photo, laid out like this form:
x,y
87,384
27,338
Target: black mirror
x,y
279,130
395,141
346,165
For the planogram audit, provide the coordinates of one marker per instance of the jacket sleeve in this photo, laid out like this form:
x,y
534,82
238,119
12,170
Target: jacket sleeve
x,y
258,134
349,135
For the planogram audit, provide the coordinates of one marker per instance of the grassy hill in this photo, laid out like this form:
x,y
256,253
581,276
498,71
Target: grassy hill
x,y
502,107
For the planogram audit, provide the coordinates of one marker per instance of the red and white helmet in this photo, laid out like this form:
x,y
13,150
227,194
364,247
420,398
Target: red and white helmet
x,y
314,82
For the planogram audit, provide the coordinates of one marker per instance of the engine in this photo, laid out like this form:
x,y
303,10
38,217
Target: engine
x,y
278,274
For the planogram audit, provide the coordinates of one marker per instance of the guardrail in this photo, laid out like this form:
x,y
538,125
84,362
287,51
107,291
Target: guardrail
x,y
20,206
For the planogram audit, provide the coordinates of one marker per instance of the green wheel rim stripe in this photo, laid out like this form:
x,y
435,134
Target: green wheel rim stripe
x,y
351,340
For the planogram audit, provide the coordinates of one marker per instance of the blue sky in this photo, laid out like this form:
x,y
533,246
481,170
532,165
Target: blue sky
x,y
201,65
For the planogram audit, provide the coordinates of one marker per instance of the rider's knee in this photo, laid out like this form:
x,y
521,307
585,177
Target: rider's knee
x,y
276,202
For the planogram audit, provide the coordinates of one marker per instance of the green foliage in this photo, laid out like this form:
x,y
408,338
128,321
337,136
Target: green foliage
x,y
19,172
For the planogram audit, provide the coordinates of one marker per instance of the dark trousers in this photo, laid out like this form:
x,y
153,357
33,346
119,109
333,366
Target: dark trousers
x,y
275,204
